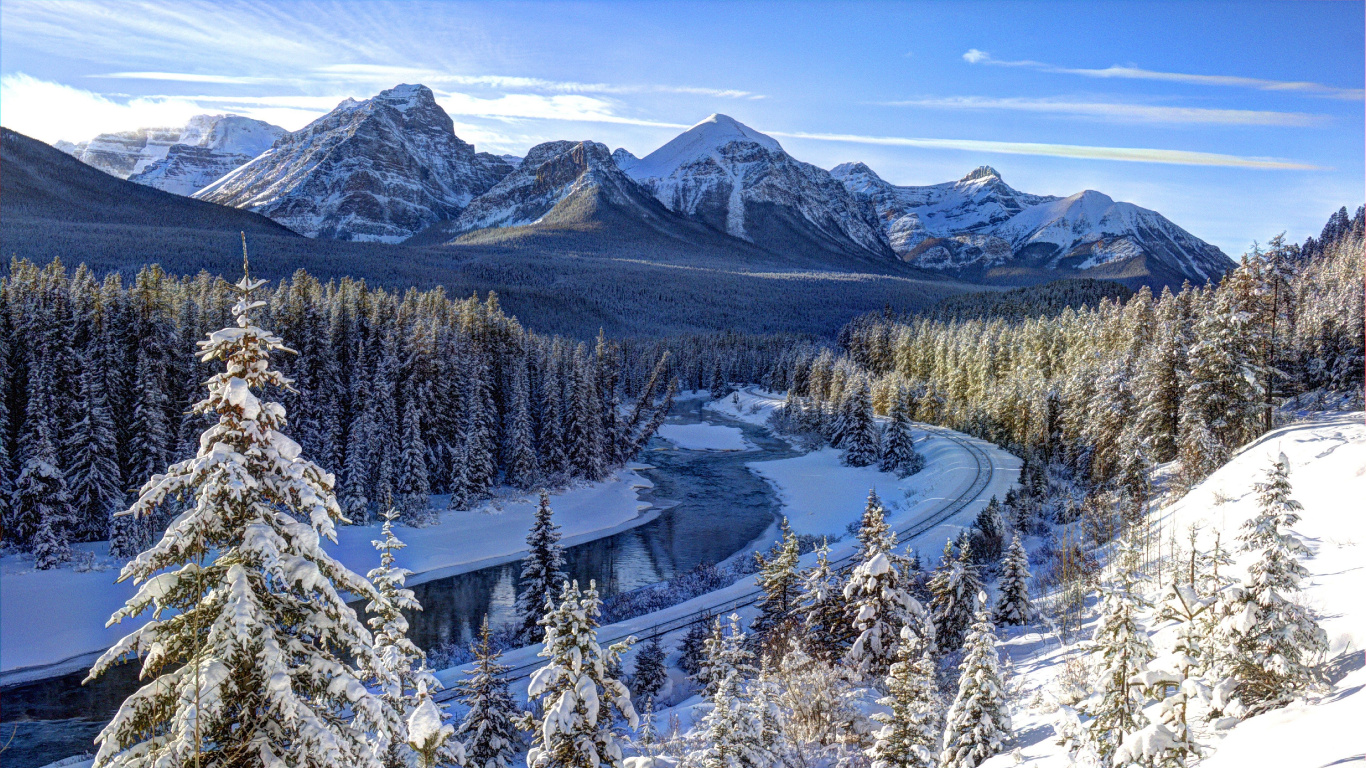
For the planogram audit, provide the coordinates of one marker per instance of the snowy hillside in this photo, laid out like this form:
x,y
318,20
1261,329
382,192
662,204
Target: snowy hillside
x,y
178,160
979,222
1327,459
741,182
379,170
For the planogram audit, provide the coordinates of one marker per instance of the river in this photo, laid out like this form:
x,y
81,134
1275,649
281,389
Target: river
x,y
715,508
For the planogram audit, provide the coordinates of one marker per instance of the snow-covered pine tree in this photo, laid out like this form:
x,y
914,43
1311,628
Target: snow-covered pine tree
x,y
520,446
879,603
909,737
989,530
400,672
861,432
826,631
726,654
779,581
256,656
414,490
898,452
487,731
978,723
583,432
93,458
692,649
542,571
1119,650
1267,641
650,675
874,535
431,738
731,734
42,516
579,699
1013,605
953,592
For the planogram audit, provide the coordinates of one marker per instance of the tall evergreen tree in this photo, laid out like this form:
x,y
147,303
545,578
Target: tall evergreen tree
x,y
909,737
257,657
1269,642
826,631
692,650
579,699
953,590
779,581
726,654
650,675
93,458
879,604
989,530
1013,605
542,570
898,451
1119,650
977,724
861,433
487,731
413,497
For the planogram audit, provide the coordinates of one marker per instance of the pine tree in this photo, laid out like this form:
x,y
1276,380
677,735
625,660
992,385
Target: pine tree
x,y
1268,642
731,735
1013,605
414,489
42,516
898,452
256,655
953,589
650,675
693,648
93,463
1119,650
521,450
826,631
542,570
578,697
874,535
400,672
989,530
861,435
487,731
977,724
909,737
726,654
429,735
778,579
879,604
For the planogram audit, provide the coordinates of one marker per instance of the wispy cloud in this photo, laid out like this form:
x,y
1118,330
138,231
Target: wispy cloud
x,y
189,77
1124,154
51,111
1120,112
975,56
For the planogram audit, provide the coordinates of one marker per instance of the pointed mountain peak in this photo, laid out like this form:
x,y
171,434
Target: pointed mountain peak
x,y
982,172
723,129
404,97
854,170
698,143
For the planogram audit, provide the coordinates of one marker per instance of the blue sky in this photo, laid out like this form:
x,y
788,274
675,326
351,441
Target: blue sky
x,y
1236,120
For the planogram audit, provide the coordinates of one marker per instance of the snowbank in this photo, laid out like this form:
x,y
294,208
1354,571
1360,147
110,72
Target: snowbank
x,y
705,437
1327,457
751,405
34,635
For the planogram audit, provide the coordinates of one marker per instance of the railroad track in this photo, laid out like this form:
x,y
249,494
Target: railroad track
x,y
983,472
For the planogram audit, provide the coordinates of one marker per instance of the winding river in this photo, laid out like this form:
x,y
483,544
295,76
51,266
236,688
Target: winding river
x,y
715,508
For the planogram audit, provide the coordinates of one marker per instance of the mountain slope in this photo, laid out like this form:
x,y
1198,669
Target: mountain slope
x,y
741,182
380,170
179,160
979,228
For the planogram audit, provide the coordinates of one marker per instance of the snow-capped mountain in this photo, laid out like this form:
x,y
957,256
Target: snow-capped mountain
x,y
381,169
179,160
979,223
741,182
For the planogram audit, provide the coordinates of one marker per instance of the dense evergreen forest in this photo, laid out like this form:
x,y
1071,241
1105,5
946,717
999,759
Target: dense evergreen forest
x,y
399,395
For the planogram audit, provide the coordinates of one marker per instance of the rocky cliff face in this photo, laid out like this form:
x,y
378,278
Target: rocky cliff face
x,y
381,169
969,227
741,182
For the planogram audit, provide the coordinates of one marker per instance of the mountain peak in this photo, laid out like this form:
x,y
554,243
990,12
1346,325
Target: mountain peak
x,y
404,96
982,172
698,143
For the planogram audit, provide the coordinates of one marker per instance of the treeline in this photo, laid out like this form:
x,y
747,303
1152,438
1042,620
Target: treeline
x,y
1111,389
1032,301
399,395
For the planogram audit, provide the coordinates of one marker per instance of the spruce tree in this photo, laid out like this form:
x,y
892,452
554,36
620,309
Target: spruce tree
x,y
1119,650
1013,605
487,731
256,656
731,735
93,463
693,648
826,631
649,675
414,490
879,604
874,535
898,452
978,723
542,571
778,579
1267,641
726,654
520,443
953,590
909,737
42,518
860,433
989,530
579,699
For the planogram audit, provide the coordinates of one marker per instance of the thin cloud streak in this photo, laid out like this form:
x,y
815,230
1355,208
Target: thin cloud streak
x,y
1124,113
975,56
1123,154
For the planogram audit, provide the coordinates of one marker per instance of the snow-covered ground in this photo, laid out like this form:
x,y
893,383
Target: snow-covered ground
x,y
705,437
1327,458
750,405
33,634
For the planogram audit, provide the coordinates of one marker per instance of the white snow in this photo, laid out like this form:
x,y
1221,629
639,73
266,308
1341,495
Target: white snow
x,y
705,437
32,634
1328,475
750,405
699,142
